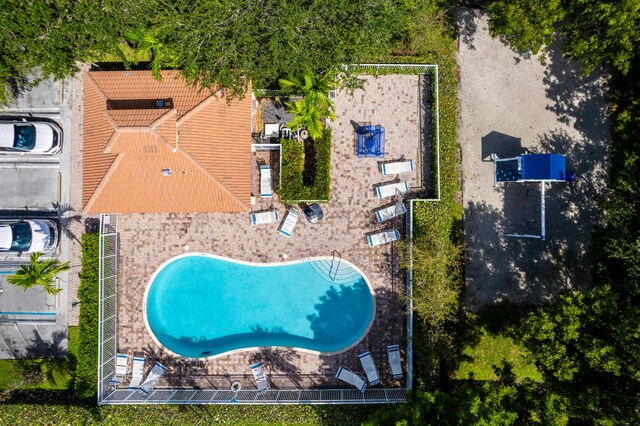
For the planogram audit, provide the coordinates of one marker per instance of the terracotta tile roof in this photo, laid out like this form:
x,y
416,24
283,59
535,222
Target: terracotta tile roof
x,y
192,155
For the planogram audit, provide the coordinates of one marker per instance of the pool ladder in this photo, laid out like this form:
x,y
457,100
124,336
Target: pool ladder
x,y
335,254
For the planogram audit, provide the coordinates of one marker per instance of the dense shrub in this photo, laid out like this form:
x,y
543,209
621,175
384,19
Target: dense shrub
x,y
302,182
86,381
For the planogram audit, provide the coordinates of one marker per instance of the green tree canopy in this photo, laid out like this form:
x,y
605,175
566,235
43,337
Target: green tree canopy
x,y
51,37
594,31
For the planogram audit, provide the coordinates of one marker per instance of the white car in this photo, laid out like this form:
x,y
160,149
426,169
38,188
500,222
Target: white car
x,y
28,236
30,137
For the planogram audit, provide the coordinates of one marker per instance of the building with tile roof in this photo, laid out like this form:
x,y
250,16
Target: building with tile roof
x,y
163,146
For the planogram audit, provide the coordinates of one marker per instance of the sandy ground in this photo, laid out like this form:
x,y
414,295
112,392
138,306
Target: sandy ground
x,y
509,104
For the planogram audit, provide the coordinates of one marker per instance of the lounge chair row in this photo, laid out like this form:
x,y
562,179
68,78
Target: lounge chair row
x,y
271,216
369,367
137,371
390,211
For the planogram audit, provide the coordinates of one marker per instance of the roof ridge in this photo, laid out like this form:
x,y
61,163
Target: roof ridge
x,y
206,101
212,177
96,86
103,182
160,120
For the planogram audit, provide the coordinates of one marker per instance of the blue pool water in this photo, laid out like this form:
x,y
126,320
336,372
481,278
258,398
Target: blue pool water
x,y
201,306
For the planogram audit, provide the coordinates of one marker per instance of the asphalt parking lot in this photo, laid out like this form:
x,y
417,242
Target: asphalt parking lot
x,y
33,323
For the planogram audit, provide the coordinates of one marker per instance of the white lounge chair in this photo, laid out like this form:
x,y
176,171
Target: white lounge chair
x,y
136,372
391,189
369,368
265,181
122,360
262,383
289,223
268,216
389,212
383,237
352,378
397,167
152,378
395,364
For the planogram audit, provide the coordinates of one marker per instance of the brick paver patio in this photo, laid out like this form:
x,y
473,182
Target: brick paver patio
x,y
147,240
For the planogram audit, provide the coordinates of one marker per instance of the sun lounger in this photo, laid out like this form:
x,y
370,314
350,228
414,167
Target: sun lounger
x,y
122,360
391,189
136,372
369,368
269,216
383,237
152,378
397,167
389,212
352,378
290,220
265,181
262,383
393,353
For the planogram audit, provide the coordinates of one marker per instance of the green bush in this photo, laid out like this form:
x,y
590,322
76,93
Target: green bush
x,y
318,181
86,381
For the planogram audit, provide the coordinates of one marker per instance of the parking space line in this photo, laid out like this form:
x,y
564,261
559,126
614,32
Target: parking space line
x,y
29,160
15,325
33,110
29,166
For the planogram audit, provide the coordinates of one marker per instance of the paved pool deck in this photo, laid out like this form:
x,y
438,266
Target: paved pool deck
x,y
148,240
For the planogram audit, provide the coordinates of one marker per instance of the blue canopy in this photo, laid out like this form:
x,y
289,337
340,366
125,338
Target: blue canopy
x,y
370,141
543,167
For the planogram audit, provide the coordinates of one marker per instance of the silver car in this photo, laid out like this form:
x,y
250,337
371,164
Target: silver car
x,y
28,235
30,137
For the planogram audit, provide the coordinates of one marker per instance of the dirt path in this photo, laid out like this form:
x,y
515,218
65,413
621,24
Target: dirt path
x,y
510,104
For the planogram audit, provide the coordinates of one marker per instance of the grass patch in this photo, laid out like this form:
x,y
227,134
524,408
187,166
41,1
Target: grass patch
x,y
41,373
490,351
306,170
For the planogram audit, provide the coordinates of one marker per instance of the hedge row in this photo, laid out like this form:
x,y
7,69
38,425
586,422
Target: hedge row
x,y
294,188
86,380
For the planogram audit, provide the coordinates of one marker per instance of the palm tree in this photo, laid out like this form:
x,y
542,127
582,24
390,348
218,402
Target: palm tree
x,y
315,105
39,273
148,45
308,115
312,85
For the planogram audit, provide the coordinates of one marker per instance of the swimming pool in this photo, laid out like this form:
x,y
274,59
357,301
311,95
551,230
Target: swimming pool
x,y
201,305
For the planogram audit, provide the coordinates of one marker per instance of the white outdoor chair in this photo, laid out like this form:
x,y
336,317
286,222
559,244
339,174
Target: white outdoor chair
x,y
369,368
391,189
397,167
289,223
391,211
262,382
122,360
352,378
264,217
152,378
136,372
265,181
383,237
395,363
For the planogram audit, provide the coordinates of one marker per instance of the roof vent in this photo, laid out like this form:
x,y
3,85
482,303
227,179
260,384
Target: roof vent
x,y
166,172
